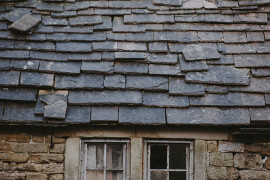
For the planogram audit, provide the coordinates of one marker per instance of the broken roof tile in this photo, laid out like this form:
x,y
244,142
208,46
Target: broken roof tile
x,y
16,14
24,24
56,110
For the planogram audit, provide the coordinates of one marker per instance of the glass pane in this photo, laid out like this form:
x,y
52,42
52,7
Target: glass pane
x,y
159,175
94,174
100,156
177,156
91,157
115,156
158,157
177,176
114,175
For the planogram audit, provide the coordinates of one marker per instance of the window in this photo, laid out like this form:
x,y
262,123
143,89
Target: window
x,y
104,159
169,160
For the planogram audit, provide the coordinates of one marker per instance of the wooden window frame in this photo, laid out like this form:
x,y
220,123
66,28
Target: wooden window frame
x,y
126,156
189,158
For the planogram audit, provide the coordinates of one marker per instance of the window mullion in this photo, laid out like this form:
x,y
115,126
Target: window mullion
x,y
105,160
168,160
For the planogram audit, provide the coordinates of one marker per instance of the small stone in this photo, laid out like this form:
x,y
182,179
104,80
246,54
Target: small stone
x,y
56,177
263,148
211,146
53,168
225,146
248,161
19,157
254,174
56,110
39,176
221,159
46,158
200,52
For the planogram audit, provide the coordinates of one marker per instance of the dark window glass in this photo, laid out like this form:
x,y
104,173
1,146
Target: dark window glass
x,y
159,175
158,157
177,156
177,176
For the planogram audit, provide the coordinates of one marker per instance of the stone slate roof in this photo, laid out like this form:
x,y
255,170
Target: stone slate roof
x,y
190,62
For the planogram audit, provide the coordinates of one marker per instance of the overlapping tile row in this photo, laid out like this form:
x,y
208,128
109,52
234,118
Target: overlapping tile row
x,y
136,62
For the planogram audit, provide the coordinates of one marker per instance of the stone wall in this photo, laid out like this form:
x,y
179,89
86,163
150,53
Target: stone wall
x,y
236,160
35,157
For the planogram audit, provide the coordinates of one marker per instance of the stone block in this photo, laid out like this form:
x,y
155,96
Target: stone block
x,y
262,148
210,36
248,161
19,157
46,158
201,52
30,148
239,48
107,113
56,177
141,115
147,83
58,149
178,86
60,67
53,168
105,97
14,54
263,47
225,146
210,116
141,37
187,37
48,6
221,159
220,75
83,81
39,176
77,6
18,94
212,146
36,79
253,174
26,23
216,173
78,114
115,82
106,25
23,138
164,100
12,175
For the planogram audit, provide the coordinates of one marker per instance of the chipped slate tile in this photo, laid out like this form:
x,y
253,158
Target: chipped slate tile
x,y
189,66
130,68
105,97
178,86
130,55
85,20
208,115
48,98
78,114
260,114
162,58
201,52
164,100
60,67
258,85
158,69
141,115
56,110
36,79
252,60
4,64
104,113
99,67
9,78
83,81
20,113
220,75
18,94
16,14
228,100
120,26
115,82
157,83
73,47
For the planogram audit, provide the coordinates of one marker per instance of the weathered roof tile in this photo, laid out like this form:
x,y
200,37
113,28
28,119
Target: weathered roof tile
x,y
260,114
18,94
9,78
36,79
60,67
78,114
85,20
115,82
130,68
104,113
178,86
100,67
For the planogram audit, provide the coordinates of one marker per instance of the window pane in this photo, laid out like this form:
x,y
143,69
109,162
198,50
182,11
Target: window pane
x,y
158,157
159,175
114,175
91,157
94,174
100,156
115,156
177,156
177,175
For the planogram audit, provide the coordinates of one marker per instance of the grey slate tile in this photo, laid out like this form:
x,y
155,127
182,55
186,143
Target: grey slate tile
x,y
178,86
168,3
258,85
9,78
201,52
64,14
267,99
48,6
85,20
73,29
148,18
131,46
77,6
127,4
78,114
18,94
235,37
158,47
36,79
112,12
255,37
162,58
73,47
83,81
58,37
176,47
224,60
1,110
176,27
109,56
104,46
106,24
219,18
43,46
3,26
43,29
261,72
189,18
26,23
120,26
7,44
16,14
130,55
260,114
141,37
14,54
105,97
104,113
157,83
56,110
229,100
252,60
97,36
239,49
158,69
208,116
48,98
130,68
141,115
36,37
210,36
20,113
27,3
89,11
48,21
115,82
84,57
166,36
60,67
263,47
4,64
49,56
189,66
187,37
164,100
220,75
215,89
100,67
260,18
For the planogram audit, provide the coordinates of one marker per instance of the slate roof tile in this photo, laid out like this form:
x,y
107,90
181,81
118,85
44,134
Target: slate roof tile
x,y
258,85
36,79
261,72
56,110
49,56
120,26
162,58
178,86
104,114
54,7
260,114
148,18
189,66
18,94
115,82
85,20
130,55
112,11
130,68
9,78
100,67
252,60
173,70
4,64
73,47
60,67
16,14
16,54
78,114
216,89
48,21
77,6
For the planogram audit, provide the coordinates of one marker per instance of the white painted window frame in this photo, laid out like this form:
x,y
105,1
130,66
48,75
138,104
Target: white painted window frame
x,y
126,156
189,158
